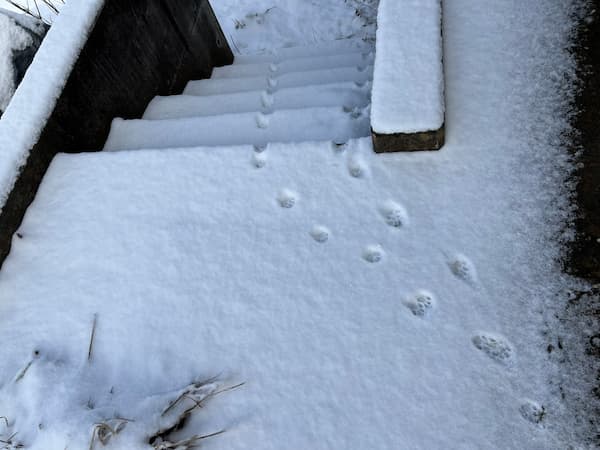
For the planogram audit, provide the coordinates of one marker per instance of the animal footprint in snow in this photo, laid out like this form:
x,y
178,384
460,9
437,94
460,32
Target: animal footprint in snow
x,y
260,148
320,234
532,412
394,214
367,56
339,146
287,199
267,100
373,253
420,303
493,346
259,160
262,121
354,111
463,268
357,167
272,85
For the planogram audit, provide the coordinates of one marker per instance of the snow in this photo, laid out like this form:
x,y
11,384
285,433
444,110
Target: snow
x,y
345,94
264,25
36,96
367,301
7,6
24,20
12,37
290,65
203,264
408,78
226,85
286,125
46,13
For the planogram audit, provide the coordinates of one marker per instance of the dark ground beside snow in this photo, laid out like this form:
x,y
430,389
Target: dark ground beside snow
x,y
579,346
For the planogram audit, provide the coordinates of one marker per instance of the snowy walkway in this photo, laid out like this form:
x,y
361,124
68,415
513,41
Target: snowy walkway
x,y
367,301
331,282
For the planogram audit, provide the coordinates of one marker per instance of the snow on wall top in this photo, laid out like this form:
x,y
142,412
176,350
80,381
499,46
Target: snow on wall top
x,y
34,100
408,80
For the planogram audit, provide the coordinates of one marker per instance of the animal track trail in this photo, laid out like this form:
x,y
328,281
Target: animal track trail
x,y
394,214
420,303
320,234
373,253
287,199
462,268
494,346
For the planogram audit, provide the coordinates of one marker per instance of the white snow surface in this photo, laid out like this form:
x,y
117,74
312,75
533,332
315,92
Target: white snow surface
x,y
367,301
24,20
198,263
36,96
408,77
12,37
46,12
265,25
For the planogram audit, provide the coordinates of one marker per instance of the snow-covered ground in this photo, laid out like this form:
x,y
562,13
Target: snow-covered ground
x,y
367,301
254,26
47,13
5,5
14,37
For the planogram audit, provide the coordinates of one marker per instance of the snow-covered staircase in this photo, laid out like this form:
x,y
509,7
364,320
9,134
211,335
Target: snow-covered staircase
x,y
297,94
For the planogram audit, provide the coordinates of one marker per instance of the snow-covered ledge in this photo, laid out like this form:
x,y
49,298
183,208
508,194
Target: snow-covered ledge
x,y
101,59
408,80
35,99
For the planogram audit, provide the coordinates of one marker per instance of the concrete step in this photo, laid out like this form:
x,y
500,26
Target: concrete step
x,y
293,65
215,86
338,47
346,94
292,125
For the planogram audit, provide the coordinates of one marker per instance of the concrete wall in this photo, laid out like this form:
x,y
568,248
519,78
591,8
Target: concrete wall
x,y
138,49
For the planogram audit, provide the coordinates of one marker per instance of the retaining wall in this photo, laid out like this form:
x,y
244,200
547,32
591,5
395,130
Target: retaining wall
x,y
136,49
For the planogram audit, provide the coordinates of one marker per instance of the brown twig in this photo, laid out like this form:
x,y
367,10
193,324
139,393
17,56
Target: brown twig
x,y
92,337
23,372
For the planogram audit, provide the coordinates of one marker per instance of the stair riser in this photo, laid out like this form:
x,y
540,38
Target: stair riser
x,y
272,84
343,94
315,124
295,65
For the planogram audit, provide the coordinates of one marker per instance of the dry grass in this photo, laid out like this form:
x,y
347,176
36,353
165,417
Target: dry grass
x,y
32,8
104,431
9,443
191,399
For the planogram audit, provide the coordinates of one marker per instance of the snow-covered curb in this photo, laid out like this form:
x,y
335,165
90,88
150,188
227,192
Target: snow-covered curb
x,y
408,82
35,99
